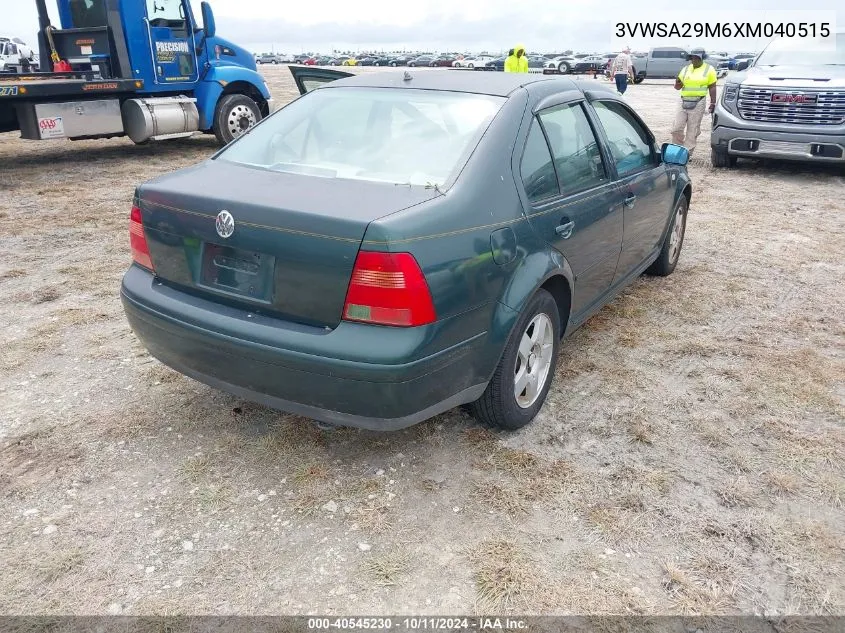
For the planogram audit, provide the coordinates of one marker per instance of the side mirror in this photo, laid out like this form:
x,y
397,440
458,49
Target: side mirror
x,y
674,154
208,20
743,65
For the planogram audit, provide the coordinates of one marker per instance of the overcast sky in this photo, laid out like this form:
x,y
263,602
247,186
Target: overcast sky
x,y
441,25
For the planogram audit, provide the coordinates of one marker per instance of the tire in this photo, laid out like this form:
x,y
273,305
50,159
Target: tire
x,y
721,159
665,263
393,64
498,407
235,114
638,79
470,65
564,68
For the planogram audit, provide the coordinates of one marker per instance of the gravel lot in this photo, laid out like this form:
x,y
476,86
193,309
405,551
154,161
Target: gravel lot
x,y
689,458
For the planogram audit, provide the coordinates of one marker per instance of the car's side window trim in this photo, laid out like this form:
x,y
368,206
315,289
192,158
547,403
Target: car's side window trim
x,y
609,176
655,157
535,119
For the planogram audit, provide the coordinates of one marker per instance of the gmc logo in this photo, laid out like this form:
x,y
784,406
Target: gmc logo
x,y
781,97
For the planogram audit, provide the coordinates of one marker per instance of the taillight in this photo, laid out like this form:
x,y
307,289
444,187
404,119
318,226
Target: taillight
x,y
138,241
388,289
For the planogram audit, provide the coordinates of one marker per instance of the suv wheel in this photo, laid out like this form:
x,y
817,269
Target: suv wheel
x,y
665,263
720,158
522,379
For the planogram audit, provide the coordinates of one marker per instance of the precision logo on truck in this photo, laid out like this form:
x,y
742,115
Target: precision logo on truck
x,y
783,97
174,47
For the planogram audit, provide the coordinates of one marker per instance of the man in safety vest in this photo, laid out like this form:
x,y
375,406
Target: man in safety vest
x,y
695,81
517,62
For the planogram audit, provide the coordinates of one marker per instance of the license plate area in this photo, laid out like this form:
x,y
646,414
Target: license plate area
x,y
237,272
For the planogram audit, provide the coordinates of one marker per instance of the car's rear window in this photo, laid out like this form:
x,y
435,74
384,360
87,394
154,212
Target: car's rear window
x,y
402,136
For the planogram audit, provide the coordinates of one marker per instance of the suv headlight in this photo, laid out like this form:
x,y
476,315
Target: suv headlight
x,y
730,92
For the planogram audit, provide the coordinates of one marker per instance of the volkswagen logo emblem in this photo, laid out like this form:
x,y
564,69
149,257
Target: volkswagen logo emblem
x,y
225,224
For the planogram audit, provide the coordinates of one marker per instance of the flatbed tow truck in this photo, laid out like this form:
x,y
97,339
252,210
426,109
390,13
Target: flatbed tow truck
x,y
138,68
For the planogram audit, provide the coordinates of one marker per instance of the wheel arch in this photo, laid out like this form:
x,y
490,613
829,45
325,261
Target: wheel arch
x,y
251,91
544,270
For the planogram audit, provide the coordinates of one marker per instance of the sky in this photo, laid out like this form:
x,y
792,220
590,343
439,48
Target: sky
x,y
453,25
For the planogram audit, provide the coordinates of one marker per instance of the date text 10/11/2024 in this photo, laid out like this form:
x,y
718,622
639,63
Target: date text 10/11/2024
x,y
418,624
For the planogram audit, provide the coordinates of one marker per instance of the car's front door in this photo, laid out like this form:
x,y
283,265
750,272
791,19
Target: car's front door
x,y
573,203
171,32
307,78
647,186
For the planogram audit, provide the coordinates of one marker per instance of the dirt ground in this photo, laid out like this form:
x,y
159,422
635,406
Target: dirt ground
x,y
689,458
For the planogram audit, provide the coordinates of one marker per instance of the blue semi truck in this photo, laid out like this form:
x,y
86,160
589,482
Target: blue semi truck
x,y
147,69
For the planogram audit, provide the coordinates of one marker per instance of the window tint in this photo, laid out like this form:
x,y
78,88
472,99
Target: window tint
x,y
629,143
574,147
537,169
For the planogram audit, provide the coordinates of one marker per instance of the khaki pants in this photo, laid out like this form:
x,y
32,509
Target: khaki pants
x,y
687,125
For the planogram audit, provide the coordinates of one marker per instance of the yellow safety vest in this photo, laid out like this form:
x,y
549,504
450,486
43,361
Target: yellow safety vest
x,y
696,80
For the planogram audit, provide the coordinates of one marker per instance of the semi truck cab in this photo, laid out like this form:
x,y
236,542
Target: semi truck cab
x,y
148,69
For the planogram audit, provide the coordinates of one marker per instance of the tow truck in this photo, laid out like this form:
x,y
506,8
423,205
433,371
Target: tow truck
x,y
144,69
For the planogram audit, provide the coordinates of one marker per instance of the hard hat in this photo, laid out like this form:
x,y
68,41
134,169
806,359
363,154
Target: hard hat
x,y
698,52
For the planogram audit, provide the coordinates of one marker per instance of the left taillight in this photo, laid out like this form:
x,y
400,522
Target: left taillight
x,y
388,289
138,241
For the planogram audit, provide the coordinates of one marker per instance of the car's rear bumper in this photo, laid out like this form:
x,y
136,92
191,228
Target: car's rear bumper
x,y
251,356
751,143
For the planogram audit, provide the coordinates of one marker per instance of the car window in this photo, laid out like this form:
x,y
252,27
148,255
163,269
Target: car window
x,y
537,168
629,142
402,136
574,147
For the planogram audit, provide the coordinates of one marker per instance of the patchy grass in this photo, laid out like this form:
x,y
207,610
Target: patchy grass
x,y
389,568
196,468
505,577
736,493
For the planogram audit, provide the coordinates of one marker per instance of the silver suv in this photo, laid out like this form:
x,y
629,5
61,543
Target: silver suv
x,y
789,104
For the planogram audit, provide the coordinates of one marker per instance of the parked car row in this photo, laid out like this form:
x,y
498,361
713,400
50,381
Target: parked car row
x,y
660,62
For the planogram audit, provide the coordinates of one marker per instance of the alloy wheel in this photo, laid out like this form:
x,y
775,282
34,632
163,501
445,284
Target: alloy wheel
x,y
533,360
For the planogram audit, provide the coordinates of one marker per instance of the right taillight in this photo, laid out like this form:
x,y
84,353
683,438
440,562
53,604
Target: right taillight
x,y
138,241
388,289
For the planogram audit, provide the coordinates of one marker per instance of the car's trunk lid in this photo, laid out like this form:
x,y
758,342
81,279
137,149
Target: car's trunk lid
x,y
294,242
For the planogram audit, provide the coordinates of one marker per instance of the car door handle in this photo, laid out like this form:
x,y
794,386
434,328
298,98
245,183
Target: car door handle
x,y
565,230
630,200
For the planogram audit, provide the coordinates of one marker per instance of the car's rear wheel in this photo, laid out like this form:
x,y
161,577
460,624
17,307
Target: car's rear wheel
x,y
522,379
720,158
665,263
235,114
563,68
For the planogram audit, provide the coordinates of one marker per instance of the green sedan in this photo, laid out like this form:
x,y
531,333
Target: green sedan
x,y
392,245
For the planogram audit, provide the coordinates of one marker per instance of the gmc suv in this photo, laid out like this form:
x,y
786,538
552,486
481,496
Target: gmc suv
x,y
789,104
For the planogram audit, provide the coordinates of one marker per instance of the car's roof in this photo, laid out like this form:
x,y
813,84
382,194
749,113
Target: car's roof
x,y
487,83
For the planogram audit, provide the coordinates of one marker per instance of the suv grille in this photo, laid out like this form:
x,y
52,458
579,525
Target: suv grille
x,y
755,104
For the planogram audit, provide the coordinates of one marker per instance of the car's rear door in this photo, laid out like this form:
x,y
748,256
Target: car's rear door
x,y
647,187
573,203
307,78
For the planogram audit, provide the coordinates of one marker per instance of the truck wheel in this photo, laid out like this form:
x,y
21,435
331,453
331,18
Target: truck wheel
x,y
522,379
638,79
235,114
720,158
